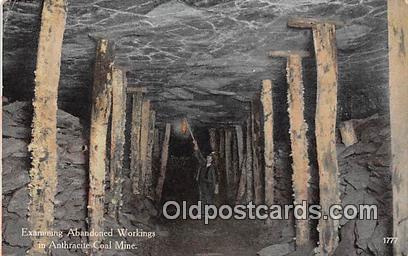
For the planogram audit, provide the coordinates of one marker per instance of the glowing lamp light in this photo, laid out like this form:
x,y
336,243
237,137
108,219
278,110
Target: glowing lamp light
x,y
184,126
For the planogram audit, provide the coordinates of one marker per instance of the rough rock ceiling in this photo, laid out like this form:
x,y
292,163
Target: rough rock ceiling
x,y
203,58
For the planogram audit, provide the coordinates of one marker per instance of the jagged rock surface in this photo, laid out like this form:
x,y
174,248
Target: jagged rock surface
x,y
200,58
366,179
72,188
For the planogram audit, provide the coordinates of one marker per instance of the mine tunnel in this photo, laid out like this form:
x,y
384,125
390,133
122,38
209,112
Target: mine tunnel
x,y
121,118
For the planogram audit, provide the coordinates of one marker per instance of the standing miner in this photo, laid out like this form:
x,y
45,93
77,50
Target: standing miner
x,y
206,176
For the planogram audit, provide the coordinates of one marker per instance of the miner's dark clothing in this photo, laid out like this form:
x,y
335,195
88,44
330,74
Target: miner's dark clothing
x,y
206,178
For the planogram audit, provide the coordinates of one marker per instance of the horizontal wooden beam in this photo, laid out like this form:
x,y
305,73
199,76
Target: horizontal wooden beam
x,y
136,89
289,53
310,22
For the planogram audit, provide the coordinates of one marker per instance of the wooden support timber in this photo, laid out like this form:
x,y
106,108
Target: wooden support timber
x,y
118,120
144,147
256,150
242,170
101,106
299,146
130,89
156,145
228,163
214,147
163,163
348,133
324,37
213,139
221,167
43,145
310,22
240,144
249,171
266,99
149,157
398,86
135,160
235,165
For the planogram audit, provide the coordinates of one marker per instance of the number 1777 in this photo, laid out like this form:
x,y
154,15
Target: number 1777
x,y
390,240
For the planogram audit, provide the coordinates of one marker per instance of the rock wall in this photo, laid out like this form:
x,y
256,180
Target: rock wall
x,y
71,198
366,179
72,188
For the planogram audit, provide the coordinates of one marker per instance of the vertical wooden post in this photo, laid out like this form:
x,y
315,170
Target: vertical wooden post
x,y
228,162
235,165
118,121
149,163
43,145
163,163
242,168
156,145
324,37
214,147
249,170
398,61
240,144
213,139
256,151
135,147
266,99
101,106
298,130
144,140
156,158
222,167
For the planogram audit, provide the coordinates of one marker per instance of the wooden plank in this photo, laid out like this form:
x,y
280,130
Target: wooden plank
x,y
214,147
144,140
299,146
101,107
163,163
156,157
222,168
136,89
118,121
325,122
149,158
213,139
249,170
135,160
235,164
240,144
324,37
267,105
242,168
289,53
256,150
348,133
398,86
156,145
228,163
310,22
43,146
